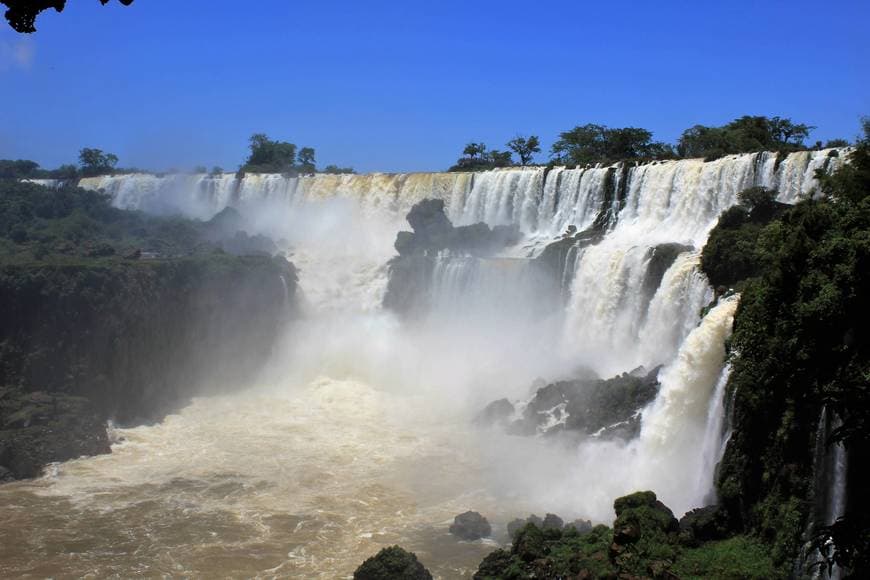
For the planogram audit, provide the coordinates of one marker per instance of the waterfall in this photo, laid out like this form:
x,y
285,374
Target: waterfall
x,y
830,471
635,294
684,196
674,428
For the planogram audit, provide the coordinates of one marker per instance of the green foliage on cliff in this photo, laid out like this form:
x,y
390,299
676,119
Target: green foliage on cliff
x,y
67,224
743,135
800,343
593,143
644,543
737,558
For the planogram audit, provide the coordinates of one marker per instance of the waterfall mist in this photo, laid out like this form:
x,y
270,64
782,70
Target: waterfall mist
x,y
360,431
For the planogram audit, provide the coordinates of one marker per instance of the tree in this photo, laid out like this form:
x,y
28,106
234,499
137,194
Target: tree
x,y
335,169
95,162
474,150
306,160
593,143
743,135
216,170
21,14
498,158
200,169
524,148
18,169
270,156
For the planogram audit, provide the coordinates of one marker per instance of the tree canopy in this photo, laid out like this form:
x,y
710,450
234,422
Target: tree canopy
x,y
268,156
21,14
593,143
96,162
743,135
525,148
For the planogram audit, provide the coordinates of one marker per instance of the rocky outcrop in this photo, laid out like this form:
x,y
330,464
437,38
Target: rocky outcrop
x,y
37,428
470,526
392,563
587,406
128,340
705,524
410,279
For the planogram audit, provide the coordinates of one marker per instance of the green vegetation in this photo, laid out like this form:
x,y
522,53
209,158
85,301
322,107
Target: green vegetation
x,y
268,156
743,135
69,223
644,543
591,143
335,169
799,345
392,563
737,558
524,148
95,162
599,144
476,157
113,313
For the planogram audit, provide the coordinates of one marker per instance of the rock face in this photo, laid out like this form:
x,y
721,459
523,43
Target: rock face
x,y
470,526
704,525
38,428
411,271
392,563
128,341
587,406
644,533
642,544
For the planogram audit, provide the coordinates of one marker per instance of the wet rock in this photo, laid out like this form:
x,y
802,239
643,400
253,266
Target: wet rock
x,y
39,428
582,526
470,526
515,526
496,413
605,409
552,522
393,563
661,258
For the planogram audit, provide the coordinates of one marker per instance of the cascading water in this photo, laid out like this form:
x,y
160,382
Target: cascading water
x,y
830,472
359,435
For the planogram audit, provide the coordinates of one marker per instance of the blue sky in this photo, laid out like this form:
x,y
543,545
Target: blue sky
x,y
402,86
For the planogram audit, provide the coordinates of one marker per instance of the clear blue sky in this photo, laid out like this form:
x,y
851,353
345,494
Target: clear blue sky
x,y
403,85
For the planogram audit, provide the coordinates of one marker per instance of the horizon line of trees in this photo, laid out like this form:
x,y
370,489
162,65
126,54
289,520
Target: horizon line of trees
x,y
592,143
266,156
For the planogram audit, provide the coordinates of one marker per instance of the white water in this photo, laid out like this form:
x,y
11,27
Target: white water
x,y
358,435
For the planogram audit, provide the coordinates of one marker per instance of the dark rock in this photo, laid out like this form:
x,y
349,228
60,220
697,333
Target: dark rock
x,y
393,563
427,219
661,258
582,526
552,522
605,409
470,526
704,525
40,428
644,527
496,413
410,273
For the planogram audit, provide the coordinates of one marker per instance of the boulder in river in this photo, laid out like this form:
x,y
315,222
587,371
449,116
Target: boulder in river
x,y
470,526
